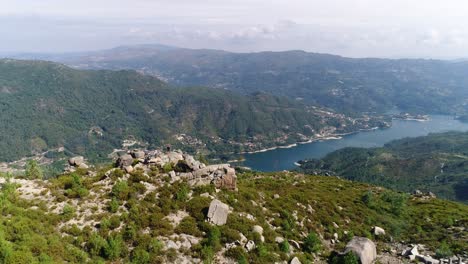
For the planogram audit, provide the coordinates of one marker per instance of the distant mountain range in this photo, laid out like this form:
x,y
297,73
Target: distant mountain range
x,y
345,84
45,105
437,163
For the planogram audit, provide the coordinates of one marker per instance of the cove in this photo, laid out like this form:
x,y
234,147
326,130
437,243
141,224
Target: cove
x,y
284,158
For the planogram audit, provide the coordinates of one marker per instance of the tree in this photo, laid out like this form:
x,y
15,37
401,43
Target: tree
x,y
33,171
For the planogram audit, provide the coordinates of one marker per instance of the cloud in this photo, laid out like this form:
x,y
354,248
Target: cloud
x,y
358,28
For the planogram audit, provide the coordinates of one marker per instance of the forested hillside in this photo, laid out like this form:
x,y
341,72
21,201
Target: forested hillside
x,y
344,84
437,163
46,105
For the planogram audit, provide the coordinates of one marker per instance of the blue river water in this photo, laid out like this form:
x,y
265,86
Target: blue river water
x,y
284,159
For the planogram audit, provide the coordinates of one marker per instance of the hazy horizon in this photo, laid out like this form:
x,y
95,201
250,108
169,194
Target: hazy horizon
x,y
360,28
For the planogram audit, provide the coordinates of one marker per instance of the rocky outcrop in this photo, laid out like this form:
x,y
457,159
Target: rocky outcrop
x,y
363,248
125,161
184,166
218,212
76,162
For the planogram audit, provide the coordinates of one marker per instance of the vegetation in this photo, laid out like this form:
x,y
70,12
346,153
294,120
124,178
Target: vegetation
x,y
133,225
344,84
436,163
92,112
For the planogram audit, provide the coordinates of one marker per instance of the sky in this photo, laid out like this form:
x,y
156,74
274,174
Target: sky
x,y
353,28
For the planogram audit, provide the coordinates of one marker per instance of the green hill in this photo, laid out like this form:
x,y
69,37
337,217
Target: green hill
x,y
344,84
437,163
46,105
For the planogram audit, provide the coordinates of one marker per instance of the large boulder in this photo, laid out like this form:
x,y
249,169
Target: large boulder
x,y
125,161
192,163
76,161
378,231
218,212
138,154
363,248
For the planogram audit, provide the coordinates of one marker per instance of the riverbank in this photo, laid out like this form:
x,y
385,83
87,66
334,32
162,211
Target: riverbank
x,y
278,159
314,139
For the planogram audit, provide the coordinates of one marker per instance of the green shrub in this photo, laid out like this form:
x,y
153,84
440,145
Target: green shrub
x,y
68,211
113,205
120,190
114,248
312,243
96,245
214,238
284,246
235,253
207,254
198,207
33,171
348,258
188,226
140,256
444,250
168,167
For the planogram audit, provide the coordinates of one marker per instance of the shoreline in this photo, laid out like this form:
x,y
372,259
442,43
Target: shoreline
x,y
311,140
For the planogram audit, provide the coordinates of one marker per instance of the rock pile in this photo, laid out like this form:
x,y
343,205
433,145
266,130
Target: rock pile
x,y
417,253
424,196
180,166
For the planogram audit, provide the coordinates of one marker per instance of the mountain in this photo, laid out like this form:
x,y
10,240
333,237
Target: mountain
x,y
436,163
154,215
47,105
344,84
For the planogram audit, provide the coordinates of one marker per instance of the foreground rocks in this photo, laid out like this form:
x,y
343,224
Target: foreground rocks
x,y
362,247
218,212
179,166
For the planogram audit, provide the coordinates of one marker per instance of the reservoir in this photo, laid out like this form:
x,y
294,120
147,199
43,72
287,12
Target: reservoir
x,y
284,158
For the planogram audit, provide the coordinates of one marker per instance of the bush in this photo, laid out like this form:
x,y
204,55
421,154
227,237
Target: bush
x,y
113,205
207,254
182,193
120,190
33,171
168,167
68,211
444,251
312,243
188,226
235,253
96,245
348,258
140,256
214,238
114,248
284,246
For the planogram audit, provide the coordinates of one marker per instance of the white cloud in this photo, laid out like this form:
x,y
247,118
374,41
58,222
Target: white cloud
x,y
396,28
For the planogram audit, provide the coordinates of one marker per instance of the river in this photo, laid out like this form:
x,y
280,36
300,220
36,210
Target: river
x,y
284,158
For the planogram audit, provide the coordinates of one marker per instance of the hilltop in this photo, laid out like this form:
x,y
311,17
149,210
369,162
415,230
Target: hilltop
x,y
435,163
171,208
47,105
348,85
